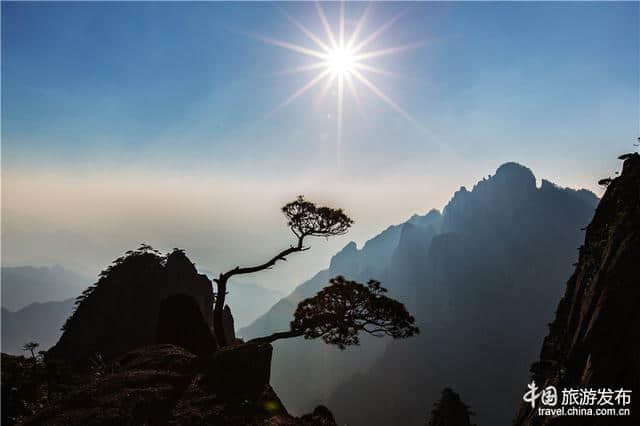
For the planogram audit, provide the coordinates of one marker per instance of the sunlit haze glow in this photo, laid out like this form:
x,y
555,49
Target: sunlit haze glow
x,y
189,124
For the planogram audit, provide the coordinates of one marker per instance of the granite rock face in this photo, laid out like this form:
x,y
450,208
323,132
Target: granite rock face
x,y
594,340
120,312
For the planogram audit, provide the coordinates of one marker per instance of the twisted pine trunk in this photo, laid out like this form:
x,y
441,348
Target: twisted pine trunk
x,y
275,336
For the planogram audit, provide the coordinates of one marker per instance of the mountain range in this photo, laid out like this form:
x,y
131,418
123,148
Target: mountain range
x,y
37,322
473,295
24,285
481,277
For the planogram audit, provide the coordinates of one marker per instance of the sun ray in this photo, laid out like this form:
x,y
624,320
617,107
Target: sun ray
x,y
303,89
307,32
354,92
303,68
384,97
375,70
378,32
339,117
341,25
295,47
387,51
359,26
326,25
326,87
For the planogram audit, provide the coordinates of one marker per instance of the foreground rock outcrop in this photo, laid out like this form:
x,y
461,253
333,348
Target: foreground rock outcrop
x,y
594,340
168,385
139,351
121,311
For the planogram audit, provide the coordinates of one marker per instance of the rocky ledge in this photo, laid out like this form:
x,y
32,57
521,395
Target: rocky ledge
x,y
166,384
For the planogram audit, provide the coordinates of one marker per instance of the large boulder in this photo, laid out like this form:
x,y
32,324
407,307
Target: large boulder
x,y
120,312
240,371
180,323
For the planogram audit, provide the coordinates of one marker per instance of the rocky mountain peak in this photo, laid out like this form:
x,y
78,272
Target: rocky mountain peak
x,y
120,312
345,259
515,174
177,260
432,218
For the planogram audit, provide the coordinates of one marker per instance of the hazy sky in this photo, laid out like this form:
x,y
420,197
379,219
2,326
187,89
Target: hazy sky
x,y
157,122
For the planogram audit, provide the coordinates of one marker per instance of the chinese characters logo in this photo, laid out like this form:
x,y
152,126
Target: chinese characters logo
x,y
582,401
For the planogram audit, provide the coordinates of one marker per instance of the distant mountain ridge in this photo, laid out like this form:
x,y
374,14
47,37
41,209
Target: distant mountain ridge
x,y
24,285
248,301
37,322
480,278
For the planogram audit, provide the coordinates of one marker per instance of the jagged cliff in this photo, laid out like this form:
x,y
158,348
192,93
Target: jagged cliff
x,y
594,340
121,311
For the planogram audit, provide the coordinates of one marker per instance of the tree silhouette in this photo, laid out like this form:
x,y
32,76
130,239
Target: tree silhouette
x,y
304,219
340,311
31,347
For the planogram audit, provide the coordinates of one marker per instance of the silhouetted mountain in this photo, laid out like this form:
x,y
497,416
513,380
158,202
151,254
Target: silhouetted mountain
x,y
594,340
120,312
24,285
38,322
139,350
480,278
450,411
42,322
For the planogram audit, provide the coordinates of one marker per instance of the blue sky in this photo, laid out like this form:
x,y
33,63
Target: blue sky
x,y
157,93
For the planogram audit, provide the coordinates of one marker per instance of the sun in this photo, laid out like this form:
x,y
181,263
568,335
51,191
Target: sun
x,y
342,61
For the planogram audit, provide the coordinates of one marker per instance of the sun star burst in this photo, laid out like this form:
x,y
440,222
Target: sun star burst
x,y
341,61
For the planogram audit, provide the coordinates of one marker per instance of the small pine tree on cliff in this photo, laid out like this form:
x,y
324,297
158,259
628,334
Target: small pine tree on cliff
x,y
339,312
